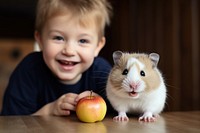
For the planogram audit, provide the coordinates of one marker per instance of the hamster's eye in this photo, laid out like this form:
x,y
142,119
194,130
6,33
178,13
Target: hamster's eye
x,y
125,72
142,73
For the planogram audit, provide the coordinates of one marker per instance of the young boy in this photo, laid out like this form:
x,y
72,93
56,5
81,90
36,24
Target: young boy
x,y
70,34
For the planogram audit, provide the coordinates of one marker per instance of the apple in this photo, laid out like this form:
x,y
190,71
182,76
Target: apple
x,y
91,109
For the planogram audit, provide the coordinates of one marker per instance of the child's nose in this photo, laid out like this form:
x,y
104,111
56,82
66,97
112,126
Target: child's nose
x,y
68,50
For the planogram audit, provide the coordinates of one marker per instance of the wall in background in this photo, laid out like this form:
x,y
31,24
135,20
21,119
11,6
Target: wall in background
x,y
168,27
17,18
12,51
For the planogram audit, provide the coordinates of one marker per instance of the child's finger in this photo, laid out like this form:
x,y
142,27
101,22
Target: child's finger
x,y
70,99
84,94
67,106
64,112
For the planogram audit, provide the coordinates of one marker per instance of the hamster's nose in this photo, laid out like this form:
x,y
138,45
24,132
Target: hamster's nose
x,y
134,85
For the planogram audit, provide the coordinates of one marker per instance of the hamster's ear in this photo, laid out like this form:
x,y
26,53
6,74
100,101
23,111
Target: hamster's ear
x,y
154,58
116,56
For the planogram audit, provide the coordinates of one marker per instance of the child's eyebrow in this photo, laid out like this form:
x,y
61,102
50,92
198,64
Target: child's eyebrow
x,y
55,32
86,35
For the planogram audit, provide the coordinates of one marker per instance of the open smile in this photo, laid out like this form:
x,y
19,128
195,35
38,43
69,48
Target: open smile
x,y
67,65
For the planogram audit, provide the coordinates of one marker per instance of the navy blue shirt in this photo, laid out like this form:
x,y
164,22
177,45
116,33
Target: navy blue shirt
x,y
32,85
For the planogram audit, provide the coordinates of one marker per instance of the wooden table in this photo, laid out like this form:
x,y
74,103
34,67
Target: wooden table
x,y
170,122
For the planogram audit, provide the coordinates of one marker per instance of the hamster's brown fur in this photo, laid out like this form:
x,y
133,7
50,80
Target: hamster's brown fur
x,y
152,79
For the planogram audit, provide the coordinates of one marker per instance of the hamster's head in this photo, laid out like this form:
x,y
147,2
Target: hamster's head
x,y
134,75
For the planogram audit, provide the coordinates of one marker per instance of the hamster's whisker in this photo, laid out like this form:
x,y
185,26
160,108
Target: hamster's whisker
x,y
167,106
174,87
125,85
168,96
166,103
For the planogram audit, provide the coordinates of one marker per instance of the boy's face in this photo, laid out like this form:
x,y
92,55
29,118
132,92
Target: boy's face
x,y
68,48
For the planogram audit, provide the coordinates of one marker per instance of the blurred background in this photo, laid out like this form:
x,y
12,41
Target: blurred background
x,y
168,27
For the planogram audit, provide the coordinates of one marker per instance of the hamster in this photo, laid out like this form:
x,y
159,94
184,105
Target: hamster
x,y
135,85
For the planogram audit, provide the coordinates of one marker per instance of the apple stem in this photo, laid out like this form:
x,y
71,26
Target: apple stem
x,y
91,94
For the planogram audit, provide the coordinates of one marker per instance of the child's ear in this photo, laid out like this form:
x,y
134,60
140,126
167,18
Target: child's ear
x,y
100,46
38,39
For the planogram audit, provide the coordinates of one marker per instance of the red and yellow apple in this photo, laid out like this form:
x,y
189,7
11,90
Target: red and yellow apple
x,y
91,109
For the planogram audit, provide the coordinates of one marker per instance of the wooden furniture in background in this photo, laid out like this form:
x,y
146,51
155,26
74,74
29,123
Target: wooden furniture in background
x,y
173,122
12,51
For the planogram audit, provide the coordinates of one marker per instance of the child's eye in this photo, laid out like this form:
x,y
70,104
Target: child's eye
x,y
58,38
83,41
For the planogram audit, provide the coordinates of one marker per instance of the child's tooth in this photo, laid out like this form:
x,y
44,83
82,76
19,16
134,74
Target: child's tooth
x,y
68,63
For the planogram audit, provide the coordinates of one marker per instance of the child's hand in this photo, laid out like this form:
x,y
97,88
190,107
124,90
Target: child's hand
x,y
84,94
61,107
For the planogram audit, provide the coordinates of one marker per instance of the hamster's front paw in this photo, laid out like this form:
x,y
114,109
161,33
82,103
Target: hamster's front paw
x,y
121,117
147,117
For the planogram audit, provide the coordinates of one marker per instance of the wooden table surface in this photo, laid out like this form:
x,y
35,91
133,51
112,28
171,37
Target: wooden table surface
x,y
168,122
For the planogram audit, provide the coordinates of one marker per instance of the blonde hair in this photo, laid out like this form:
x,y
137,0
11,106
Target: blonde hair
x,y
101,10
